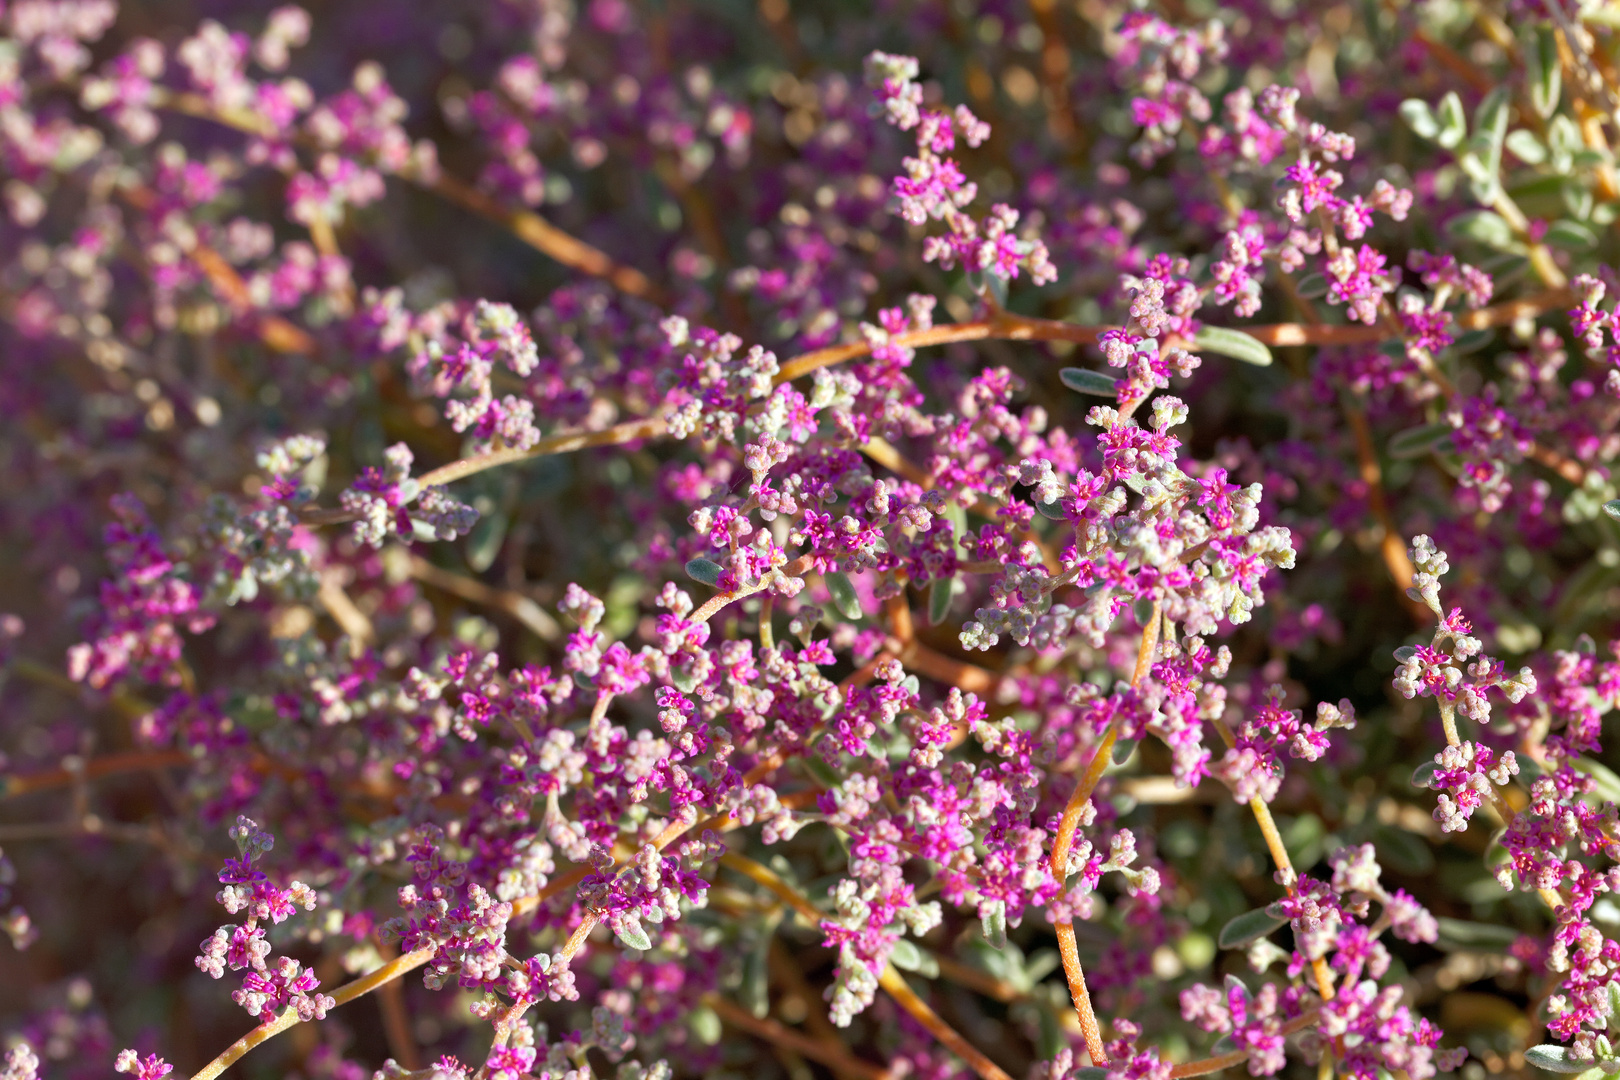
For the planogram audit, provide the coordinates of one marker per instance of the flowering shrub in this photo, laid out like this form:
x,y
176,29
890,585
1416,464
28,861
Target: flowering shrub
x,y
973,537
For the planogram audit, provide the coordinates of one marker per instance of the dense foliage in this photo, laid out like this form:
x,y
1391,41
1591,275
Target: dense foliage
x,y
918,538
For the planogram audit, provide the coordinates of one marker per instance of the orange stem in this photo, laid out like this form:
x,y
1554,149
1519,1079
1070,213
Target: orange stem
x,y
1068,948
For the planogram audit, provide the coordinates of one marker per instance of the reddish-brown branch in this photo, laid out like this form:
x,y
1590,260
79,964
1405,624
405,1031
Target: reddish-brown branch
x,y
1060,118
549,240
1391,545
109,765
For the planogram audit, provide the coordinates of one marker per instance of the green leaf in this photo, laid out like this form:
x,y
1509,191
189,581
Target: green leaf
x,y
843,594
995,290
1526,147
1415,442
1087,381
755,990
1458,934
705,1025
1490,128
1608,784
1053,510
1423,775
907,957
1311,287
632,935
1612,508
1472,342
1453,123
1420,118
1250,926
993,922
1578,200
1401,851
823,773
705,570
1233,343
1123,749
1544,72
939,599
1563,139
1571,236
1483,227
1556,1059
484,542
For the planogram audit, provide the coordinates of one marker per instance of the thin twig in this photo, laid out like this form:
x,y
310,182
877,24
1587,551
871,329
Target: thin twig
x,y
904,996
838,1058
890,980
1068,947
520,607
1237,1057
342,996
1279,855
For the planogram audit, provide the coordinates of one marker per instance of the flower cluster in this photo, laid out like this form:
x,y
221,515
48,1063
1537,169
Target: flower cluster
x,y
272,983
602,483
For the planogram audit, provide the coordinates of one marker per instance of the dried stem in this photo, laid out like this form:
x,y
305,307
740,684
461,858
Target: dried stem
x,y
1067,945
890,980
110,765
1004,327
342,996
1390,545
549,240
1285,865
520,607
527,226
837,1058
1238,1057
907,999
396,1022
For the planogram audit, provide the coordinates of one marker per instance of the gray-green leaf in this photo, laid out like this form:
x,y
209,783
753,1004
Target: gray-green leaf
x,y
705,570
1453,122
1479,937
1571,236
1415,442
632,935
1612,508
1483,227
1312,286
1087,381
1608,784
1423,775
907,957
1233,343
1247,927
843,594
1420,118
939,600
993,922
1556,1059
1526,147
1544,72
